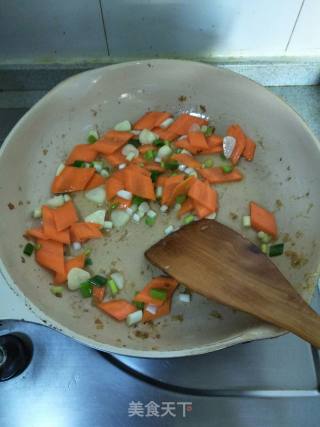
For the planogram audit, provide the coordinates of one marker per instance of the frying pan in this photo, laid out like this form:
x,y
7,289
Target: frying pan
x,y
284,177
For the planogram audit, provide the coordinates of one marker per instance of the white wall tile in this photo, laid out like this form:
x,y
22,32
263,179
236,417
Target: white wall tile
x,y
199,28
50,29
306,36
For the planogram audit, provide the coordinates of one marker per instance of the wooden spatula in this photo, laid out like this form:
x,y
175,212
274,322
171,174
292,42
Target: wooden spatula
x,y
220,264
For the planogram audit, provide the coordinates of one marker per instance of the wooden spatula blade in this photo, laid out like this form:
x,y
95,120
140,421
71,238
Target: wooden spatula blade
x,y
220,264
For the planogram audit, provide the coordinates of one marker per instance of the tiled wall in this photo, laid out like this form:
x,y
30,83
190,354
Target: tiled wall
x,y
47,30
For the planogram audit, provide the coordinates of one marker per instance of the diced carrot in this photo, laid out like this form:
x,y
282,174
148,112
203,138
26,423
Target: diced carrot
x,y
77,261
183,124
165,134
161,180
163,310
185,145
198,141
168,187
263,220
164,283
249,150
83,231
180,189
117,308
95,181
214,140
98,294
50,255
65,215
82,152
203,194
236,131
186,207
121,203
187,160
154,167
201,211
213,150
135,168
140,161
146,147
119,175
113,185
36,233
72,179
116,158
217,176
139,185
49,227
151,119
111,142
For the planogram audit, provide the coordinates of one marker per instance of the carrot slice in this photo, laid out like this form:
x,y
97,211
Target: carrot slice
x,y
168,187
198,141
111,141
82,152
185,145
165,134
49,227
136,169
50,255
187,160
182,188
146,147
187,206
36,233
98,294
116,158
154,167
72,179
213,150
236,131
151,119
139,184
203,194
65,215
121,203
249,150
113,185
263,220
95,181
165,283
214,140
68,265
161,180
163,310
182,125
117,308
83,231
217,176
201,210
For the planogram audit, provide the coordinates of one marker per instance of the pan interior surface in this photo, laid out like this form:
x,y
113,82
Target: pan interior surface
x,y
283,177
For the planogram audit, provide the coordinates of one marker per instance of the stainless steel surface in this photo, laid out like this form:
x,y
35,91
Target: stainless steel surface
x,y
268,383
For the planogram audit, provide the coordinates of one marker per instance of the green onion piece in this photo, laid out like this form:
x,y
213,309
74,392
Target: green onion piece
x,y
154,175
149,155
37,246
178,150
112,286
88,261
98,280
160,294
208,163
246,221
223,157
86,289
87,251
92,137
150,221
227,168
135,142
114,205
180,199
276,250
57,291
264,237
188,219
136,200
171,165
264,248
28,249
79,164
159,143
209,131
138,304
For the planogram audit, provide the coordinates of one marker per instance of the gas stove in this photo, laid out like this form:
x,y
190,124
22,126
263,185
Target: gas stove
x,y
50,380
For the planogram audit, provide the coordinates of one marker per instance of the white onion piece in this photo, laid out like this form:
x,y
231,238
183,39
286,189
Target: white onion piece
x,y
96,195
124,126
76,276
119,218
96,217
118,279
56,201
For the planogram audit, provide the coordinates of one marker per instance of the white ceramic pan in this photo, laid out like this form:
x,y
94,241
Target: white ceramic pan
x,y
284,177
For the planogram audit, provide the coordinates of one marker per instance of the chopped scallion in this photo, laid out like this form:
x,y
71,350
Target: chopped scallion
x,y
28,249
136,200
92,137
188,219
86,289
79,164
171,165
264,248
223,157
135,142
208,163
180,199
227,168
160,294
98,280
159,143
149,155
114,206
154,175
209,131
150,221
57,291
112,286
264,237
276,250
88,261
138,304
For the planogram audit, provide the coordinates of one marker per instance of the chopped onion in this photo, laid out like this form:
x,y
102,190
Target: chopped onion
x,y
96,217
66,197
96,195
124,194
213,215
56,201
159,191
76,246
184,151
143,208
229,143
184,298
136,132
182,168
118,279
130,156
166,123
151,213
168,230
194,127
128,149
76,276
98,166
190,172
163,208
151,308
147,137
60,169
122,166
107,225
164,151
119,218
136,218
37,213
104,173
134,317
124,126
246,221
